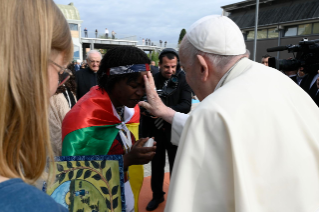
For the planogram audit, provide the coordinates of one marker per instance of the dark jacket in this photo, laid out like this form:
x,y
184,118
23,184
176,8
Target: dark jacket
x,y
180,101
154,70
85,80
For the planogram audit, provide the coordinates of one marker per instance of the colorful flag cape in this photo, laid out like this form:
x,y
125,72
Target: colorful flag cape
x,y
90,126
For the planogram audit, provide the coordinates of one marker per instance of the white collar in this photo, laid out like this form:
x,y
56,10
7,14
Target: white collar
x,y
226,76
128,113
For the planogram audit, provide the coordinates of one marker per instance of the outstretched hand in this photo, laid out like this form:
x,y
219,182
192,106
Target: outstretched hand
x,y
155,105
139,155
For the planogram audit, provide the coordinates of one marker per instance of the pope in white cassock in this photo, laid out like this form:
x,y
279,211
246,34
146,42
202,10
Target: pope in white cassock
x,y
252,144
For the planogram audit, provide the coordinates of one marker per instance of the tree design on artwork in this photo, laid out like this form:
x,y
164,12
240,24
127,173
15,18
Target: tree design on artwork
x,y
94,170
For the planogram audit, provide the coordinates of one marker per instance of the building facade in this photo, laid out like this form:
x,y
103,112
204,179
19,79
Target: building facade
x,y
280,23
72,15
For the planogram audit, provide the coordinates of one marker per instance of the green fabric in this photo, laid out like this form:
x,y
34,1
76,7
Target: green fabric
x,y
95,140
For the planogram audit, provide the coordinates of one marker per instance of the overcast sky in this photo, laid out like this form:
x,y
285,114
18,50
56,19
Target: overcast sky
x,y
153,19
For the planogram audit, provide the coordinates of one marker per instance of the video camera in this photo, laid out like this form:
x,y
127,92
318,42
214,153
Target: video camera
x,y
307,56
168,89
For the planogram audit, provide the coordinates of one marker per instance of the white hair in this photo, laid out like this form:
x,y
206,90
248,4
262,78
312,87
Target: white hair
x,y
219,61
93,52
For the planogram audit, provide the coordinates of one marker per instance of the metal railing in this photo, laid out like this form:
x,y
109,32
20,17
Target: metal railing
x,y
103,36
157,44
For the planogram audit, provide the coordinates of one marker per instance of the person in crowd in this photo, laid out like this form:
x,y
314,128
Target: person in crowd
x,y
300,76
292,75
104,120
71,66
85,32
84,65
264,59
316,98
87,78
154,68
27,80
77,65
60,104
252,144
113,35
309,83
106,33
178,98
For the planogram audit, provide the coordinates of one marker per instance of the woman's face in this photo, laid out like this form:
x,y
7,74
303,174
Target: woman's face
x,y
128,93
53,71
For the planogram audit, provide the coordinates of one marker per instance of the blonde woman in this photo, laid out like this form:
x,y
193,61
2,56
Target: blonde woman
x,y
29,75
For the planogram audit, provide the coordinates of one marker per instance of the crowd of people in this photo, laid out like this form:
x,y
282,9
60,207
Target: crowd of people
x,y
308,80
148,42
106,33
250,145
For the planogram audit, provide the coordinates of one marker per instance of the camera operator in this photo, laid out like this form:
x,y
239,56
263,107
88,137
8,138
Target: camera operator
x,y
176,96
309,84
301,75
264,59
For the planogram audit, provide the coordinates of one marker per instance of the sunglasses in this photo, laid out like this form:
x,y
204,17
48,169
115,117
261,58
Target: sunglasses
x,y
64,73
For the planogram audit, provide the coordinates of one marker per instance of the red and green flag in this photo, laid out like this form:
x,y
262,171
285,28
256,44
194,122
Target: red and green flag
x,y
90,127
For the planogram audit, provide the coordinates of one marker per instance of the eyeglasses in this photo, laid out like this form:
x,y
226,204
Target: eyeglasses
x,y
64,73
92,61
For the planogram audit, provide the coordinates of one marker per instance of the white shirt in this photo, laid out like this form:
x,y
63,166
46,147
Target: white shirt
x,y
251,146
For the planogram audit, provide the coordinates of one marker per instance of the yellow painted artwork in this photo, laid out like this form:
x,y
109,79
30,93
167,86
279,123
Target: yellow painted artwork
x,y
88,186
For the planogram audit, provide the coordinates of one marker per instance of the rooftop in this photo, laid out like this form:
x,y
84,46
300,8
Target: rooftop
x,y
69,11
272,12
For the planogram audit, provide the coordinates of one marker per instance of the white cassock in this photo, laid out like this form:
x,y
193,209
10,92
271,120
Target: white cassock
x,y
251,146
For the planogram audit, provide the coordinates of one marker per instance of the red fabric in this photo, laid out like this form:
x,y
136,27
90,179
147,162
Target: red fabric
x,y
117,147
147,67
93,109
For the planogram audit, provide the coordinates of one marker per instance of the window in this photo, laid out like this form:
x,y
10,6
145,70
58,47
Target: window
x,y
251,35
273,33
291,31
73,27
304,29
262,34
315,28
76,52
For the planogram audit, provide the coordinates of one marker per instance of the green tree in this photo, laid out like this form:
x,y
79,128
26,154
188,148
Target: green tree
x,y
154,56
181,35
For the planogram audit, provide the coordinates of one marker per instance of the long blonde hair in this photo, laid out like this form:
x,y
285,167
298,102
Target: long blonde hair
x,y
31,30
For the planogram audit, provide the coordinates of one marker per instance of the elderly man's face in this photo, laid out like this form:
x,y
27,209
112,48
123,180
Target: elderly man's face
x,y
265,61
189,70
94,61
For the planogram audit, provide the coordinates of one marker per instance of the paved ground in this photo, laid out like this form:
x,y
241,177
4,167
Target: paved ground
x,y
146,194
147,168
146,191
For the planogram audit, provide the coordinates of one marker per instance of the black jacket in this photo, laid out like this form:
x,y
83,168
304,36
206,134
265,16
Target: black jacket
x,y
180,101
85,80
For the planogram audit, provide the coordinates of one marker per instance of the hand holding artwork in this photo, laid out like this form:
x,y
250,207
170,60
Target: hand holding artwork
x,y
139,155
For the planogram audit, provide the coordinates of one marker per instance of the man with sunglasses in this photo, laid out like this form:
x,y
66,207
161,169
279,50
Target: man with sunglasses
x,y
87,78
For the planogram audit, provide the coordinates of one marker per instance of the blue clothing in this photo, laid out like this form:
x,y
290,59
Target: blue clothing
x,y
77,67
17,196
